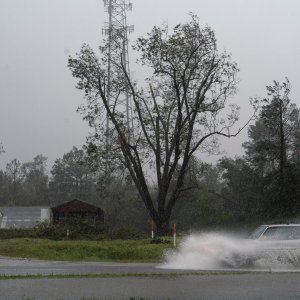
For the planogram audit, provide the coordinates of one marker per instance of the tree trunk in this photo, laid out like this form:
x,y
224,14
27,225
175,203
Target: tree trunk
x,y
162,223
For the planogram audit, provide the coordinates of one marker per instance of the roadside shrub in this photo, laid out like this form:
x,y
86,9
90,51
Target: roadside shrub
x,y
160,241
126,232
16,233
50,231
77,229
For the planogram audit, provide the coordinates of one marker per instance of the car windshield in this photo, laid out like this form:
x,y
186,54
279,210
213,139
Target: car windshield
x,y
257,232
282,233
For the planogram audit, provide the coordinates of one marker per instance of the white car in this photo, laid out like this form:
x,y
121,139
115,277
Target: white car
x,y
270,246
279,232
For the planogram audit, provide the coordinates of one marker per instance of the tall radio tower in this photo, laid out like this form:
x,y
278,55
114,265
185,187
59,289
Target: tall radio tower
x,y
117,31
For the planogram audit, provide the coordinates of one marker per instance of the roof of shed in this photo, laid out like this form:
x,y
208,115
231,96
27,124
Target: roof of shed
x,y
76,206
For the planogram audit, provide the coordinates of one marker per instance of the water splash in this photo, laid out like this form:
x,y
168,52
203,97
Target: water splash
x,y
214,251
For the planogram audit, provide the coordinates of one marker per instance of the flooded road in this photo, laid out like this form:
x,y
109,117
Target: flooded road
x,y
9,266
13,267
138,282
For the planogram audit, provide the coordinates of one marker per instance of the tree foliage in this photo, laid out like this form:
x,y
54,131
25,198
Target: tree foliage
x,y
242,190
177,111
35,181
1,148
273,136
24,184
14,174
72,178
263,183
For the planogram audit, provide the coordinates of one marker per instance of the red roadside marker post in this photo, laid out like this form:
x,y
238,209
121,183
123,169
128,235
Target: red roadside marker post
x,y
174,234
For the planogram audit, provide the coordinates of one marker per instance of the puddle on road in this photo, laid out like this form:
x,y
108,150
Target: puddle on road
x,y
214,251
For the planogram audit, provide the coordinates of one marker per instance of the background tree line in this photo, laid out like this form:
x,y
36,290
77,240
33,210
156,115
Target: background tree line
x,y
261,186
30,183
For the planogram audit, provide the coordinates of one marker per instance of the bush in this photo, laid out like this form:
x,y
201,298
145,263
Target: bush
x,y
160,241
16,233
72,229
78,229
126,232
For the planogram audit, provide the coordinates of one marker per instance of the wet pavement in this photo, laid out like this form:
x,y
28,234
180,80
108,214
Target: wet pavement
x,y
207,285
275,286
10,266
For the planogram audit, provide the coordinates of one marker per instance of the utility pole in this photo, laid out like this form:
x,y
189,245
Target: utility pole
x,y
117,31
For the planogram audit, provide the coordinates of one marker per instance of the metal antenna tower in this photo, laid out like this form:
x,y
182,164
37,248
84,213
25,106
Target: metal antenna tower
x,y
117,31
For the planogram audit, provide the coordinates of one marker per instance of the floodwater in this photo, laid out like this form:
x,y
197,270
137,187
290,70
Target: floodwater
x,y
216,251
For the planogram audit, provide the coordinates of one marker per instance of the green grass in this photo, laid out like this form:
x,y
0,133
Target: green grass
x,y
114,275
117,250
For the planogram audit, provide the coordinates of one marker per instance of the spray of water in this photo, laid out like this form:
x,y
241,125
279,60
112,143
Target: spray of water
x,y
214,251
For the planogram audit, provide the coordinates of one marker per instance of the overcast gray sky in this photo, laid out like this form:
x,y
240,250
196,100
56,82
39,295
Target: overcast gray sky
x,y
37,92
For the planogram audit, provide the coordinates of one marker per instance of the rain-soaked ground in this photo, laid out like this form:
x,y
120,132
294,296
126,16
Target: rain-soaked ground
x,y
137,282
275,286
197,263
10,266
198,252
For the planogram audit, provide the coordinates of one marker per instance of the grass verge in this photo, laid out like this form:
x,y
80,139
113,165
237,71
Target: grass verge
x,y
160,275
117,250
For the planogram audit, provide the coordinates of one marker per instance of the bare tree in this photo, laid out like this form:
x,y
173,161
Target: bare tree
x,y
180,110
